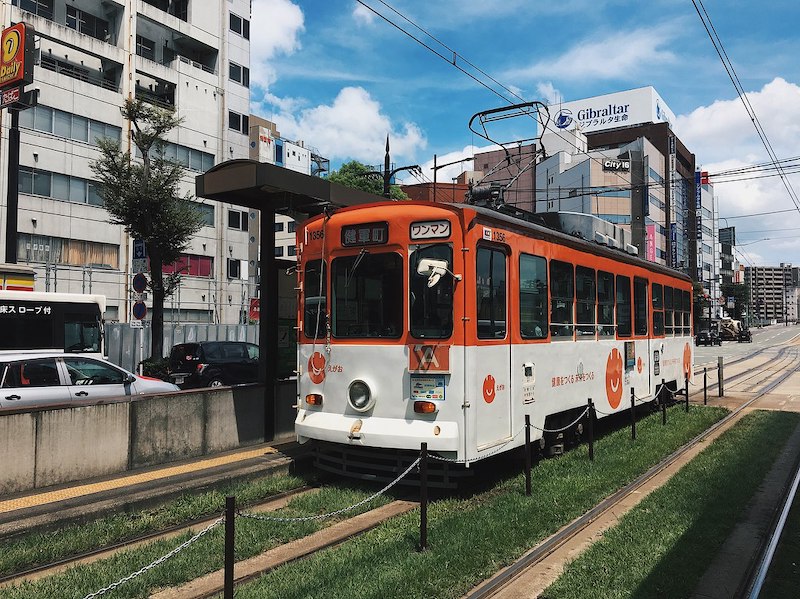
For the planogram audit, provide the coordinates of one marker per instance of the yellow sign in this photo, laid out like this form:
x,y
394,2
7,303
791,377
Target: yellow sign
x,y
16,56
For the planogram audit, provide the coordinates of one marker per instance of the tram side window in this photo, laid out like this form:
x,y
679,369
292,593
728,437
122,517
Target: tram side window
x,y
315,297
658,310
640,305
562,297
623,306
491,293
668,311
686,304
532,297
431,305
586,295
605,303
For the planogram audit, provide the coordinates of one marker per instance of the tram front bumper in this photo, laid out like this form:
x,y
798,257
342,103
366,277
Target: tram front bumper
x,y
371,431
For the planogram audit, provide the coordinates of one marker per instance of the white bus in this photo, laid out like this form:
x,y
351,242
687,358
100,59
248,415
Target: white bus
x,y
42,321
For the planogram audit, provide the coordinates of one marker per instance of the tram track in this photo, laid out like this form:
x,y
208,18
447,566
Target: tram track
x,y
509,576
275,502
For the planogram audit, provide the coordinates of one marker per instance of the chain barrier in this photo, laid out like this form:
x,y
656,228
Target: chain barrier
x,y
494,452
564,428
331,514
157,562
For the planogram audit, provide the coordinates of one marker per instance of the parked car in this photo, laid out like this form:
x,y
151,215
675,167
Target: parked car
x,y
745,336
213,364
707,338
51,378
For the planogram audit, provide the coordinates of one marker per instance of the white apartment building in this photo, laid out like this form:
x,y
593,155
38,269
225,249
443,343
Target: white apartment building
x,y
191,56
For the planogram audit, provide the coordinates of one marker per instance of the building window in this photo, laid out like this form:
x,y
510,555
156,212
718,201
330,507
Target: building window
x,y
65,124
58,186
87,23
74,252
146,48
239,122
234,268
239,74
291,250
278,227
240,25
278,251
43,8
206,212
237,220
192,265
292,226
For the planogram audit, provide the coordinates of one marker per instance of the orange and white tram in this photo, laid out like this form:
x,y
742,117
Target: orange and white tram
x,y
449,323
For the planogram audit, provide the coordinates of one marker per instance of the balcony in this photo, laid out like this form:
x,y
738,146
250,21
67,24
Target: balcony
x,y
176,8
64,67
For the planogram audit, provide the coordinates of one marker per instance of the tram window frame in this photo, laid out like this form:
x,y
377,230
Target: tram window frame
x,y
585,302
624,309
562,290
657,300
312,269
687,312
640,306
367,299
669,330
430,307
533,298
491,307
605,304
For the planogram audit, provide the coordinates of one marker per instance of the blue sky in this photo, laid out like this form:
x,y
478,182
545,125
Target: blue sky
x,y
339,77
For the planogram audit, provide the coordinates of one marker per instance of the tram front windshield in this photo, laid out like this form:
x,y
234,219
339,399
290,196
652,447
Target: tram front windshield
x,y
367,295
431,301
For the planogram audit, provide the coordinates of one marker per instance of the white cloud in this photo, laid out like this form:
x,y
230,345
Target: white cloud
x,y
623,55
548,93
362,15
352,127
285,22
723,137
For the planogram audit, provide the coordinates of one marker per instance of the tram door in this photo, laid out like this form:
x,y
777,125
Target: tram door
x,y
491,366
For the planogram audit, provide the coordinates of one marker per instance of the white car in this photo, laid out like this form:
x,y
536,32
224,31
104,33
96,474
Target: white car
x,y
66,379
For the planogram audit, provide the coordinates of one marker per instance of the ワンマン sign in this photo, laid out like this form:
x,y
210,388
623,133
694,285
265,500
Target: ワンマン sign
x,y
16,56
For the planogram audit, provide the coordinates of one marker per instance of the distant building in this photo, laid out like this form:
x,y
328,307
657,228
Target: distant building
x,y
728,267
773,292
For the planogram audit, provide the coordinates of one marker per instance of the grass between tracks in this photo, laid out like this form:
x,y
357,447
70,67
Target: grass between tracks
x,y
469,538
662,547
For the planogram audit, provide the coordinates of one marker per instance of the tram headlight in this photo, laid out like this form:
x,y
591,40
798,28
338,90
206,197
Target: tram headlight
x,y
360,396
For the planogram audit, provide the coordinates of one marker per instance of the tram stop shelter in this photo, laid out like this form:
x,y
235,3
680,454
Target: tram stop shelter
x,y
272,189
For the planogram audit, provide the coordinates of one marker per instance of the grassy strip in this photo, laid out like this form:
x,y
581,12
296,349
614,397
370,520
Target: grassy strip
x,y
664,546
470,539
200,558
28,551
783,578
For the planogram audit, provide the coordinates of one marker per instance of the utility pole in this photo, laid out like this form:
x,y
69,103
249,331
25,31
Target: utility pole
x,y
388,174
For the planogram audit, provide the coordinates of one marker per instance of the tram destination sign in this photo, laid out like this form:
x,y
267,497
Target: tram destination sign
x,y
365,234
430,229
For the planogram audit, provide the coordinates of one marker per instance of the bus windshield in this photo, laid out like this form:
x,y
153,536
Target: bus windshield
x,y
431,304
367,295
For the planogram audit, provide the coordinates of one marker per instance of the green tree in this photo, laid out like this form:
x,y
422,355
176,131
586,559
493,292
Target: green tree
x,y
741,298
144,197
359,176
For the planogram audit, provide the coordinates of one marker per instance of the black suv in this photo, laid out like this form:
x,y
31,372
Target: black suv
x,y
707,338
213,364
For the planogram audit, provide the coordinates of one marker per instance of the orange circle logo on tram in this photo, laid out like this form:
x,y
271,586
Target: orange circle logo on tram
x,y
316,368
687,361
488,388
614,378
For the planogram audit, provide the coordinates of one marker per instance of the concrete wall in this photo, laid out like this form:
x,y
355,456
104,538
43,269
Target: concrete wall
x,y
55,446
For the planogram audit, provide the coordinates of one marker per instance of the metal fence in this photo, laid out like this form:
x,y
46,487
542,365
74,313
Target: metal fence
x,y
127,346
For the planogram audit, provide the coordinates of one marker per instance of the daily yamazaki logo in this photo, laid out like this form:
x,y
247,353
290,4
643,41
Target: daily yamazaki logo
x,y
614,378
687,360
316,368
488,388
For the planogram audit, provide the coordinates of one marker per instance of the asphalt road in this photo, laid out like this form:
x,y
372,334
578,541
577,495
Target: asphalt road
x,y
766,337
